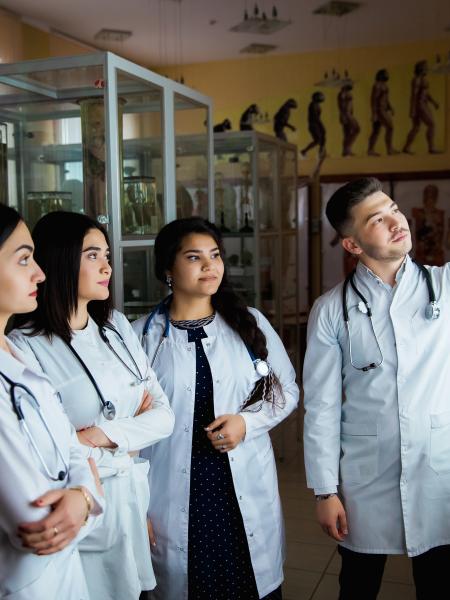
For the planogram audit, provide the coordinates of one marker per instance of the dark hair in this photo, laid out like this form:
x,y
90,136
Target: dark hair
x,y
9,219
382,75
225,301
58,239
340,204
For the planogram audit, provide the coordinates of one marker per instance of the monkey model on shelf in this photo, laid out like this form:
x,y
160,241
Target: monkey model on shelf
x,y
248,117
281,119
222,127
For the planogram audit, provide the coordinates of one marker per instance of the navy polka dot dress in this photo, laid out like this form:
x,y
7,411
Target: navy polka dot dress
x,y
219,565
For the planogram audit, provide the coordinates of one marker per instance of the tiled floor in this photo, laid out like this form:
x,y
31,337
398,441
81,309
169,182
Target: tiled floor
x,y
312,565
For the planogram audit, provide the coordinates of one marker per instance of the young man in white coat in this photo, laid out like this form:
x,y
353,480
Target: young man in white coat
x,y
377,381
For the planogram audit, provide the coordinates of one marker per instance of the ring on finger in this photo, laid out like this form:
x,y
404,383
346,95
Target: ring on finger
x,y
220,436
55,531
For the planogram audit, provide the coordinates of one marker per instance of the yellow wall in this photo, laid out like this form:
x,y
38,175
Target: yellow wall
x,y
20,41
270,80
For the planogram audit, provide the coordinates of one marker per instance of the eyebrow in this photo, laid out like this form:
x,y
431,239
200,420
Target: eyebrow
x,y
378,212
24,247
199,251
94,248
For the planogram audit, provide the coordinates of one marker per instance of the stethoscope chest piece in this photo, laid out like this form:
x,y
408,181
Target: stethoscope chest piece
x,y
362,307
261,367
109,410
432,311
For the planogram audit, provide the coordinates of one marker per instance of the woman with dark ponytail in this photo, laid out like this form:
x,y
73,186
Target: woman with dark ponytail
x,y
215,511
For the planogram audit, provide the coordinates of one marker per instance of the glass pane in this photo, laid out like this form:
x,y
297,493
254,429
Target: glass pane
x,y
233,193
288,191
140,114
55,137
142,291
191,149
267,273
289,294
267,196
240,263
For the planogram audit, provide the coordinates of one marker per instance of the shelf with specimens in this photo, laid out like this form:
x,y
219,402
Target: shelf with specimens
x,y
100,135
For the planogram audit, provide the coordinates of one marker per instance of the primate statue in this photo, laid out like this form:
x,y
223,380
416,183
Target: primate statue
x,y
281,119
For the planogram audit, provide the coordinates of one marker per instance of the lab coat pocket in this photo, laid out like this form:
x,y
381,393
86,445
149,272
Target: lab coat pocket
x,y
359,452
439,458
140,469
105,535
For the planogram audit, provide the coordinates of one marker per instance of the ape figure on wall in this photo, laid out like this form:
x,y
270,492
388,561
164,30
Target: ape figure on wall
x,y
419,108
248,117
281,119
350,126
382,113
315,126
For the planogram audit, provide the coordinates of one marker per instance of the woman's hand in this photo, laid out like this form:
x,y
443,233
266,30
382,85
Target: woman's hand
x,y
146,403
226,432
59,528
332,518
94,438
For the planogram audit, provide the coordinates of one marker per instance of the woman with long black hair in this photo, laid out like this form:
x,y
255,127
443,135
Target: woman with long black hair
x,y
215,509
47,490
111,395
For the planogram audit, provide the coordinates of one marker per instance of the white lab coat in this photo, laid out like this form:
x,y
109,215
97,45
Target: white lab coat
x,y
252,461
24,575
116,557
383,436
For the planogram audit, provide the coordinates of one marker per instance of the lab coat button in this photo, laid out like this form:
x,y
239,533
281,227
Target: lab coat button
x,y
231,458
188,389
250,535
183,470
186,428
183,510
240,497
217,380
189,348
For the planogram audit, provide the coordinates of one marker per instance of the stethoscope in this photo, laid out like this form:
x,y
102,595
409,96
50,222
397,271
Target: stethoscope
x,y
261,366
17,391
108,408
432,312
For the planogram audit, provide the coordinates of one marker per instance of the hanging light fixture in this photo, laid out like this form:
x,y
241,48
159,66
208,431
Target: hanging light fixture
x,y
259,22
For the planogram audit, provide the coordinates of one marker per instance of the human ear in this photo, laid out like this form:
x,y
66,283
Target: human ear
x,y
351,246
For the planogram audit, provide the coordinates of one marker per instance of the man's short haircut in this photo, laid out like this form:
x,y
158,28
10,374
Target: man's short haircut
x,y
340,204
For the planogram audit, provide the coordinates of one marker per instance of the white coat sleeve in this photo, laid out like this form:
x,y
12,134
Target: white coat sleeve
x,y
21,482
268,416
135,433
322,382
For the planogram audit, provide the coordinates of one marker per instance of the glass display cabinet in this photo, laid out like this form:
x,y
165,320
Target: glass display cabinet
x,y
98,134
258,209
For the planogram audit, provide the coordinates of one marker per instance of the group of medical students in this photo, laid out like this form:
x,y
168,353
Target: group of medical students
x,y
126,446
138,458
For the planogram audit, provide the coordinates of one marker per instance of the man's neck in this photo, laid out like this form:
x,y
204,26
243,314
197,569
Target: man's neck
x,y
386,270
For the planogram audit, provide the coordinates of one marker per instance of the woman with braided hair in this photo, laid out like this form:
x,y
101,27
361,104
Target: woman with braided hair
x,y
215,507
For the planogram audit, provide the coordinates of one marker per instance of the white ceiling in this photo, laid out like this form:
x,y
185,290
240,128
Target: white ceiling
x,y
175,32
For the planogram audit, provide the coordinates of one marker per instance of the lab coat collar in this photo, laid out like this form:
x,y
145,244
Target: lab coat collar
x,y
367,275
179,336
15,365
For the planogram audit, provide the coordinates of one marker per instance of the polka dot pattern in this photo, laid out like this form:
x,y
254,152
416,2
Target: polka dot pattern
x,y
219,564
